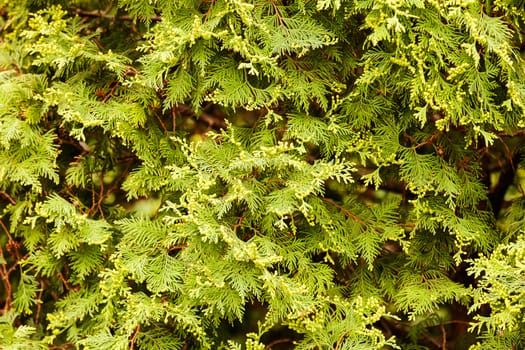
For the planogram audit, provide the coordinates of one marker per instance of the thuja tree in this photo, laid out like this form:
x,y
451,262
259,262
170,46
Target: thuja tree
x,y
262,174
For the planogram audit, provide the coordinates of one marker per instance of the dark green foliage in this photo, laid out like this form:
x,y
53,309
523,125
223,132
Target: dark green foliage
x,y
262,174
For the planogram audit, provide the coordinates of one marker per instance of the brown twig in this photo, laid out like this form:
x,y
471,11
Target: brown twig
x,y
344,210
278,341
161,123
93,202
101,195
134,337
39,301
508,153
6,231
177,247
110,190
62,347
111,92
18,259
340,341
457,322
4,26
100,14
8,197
278,14
428,141
4,274
12,246
66,283
207,14
443,337
238,224
212,121
433,341
507,134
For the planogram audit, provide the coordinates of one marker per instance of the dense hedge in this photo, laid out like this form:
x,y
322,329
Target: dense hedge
x,y
262,174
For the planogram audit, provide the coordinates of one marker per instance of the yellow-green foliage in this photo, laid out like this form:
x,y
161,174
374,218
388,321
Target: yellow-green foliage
x,y
261,174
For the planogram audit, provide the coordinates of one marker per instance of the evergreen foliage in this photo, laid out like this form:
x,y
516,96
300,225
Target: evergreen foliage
x,y
262,174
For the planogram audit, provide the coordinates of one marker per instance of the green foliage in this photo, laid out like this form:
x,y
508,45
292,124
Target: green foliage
x,y
234,174
17,338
